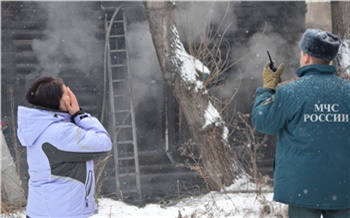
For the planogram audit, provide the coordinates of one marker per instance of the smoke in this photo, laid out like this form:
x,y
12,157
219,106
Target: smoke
x,y
194,19
147,78
250,55
70,38
250,59
148,85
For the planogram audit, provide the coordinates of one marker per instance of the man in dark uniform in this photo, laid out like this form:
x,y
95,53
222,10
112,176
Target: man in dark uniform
x,y
310,116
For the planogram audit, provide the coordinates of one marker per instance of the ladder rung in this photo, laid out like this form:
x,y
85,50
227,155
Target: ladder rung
x,y
118,80
126,174
123,126
115,21
117,50
126,158
120,96
117,36
131,191
118,65
125,142
122,111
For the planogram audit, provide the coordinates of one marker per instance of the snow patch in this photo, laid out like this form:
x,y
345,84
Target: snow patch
x,y
225,134
201,67
189,64
243,183
213,204
345,55
212,116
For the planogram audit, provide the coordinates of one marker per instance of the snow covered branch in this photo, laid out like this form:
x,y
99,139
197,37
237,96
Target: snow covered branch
x,y
344,59
212,117
189,64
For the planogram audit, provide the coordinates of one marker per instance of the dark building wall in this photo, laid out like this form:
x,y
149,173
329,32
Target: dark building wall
x,y
27,38
28,50
51,38
30,31
250,28
275,26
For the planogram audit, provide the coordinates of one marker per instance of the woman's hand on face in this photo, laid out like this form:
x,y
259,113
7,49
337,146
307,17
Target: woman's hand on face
x,y
73,105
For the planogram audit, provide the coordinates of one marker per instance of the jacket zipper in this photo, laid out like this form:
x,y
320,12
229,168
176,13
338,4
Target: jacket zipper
x,y
88,188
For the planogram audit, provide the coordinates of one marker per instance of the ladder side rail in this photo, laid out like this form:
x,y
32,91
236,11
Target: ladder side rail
x,y
111,99
106,60
137,165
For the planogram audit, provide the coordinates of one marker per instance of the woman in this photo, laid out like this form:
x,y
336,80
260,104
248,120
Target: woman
x,y
61,141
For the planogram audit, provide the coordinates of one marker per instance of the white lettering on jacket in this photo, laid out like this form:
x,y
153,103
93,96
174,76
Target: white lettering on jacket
x,y
326,113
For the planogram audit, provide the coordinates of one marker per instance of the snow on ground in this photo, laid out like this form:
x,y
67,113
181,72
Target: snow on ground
x,y
214,204
238,201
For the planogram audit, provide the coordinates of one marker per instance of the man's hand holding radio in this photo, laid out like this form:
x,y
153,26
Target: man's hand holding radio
x,y
271,78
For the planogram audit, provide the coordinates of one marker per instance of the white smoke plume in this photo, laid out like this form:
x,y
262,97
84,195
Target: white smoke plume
x,y
70,37
147,78
195,19
252,57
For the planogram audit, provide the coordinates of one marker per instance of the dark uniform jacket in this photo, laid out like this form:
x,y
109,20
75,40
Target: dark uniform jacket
x,y
311,119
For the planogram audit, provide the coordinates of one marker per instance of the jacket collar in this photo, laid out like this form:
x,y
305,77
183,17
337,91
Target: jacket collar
x,y
48,109
55,112
316,69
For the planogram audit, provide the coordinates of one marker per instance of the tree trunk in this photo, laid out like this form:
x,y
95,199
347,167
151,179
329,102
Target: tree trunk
x,y
11,189
221,166
340,26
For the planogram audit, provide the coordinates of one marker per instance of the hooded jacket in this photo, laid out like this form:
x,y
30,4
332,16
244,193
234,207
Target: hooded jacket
x,y
59,156
311,119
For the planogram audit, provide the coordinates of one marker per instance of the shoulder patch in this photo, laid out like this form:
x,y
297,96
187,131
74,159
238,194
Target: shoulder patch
x,y
269,100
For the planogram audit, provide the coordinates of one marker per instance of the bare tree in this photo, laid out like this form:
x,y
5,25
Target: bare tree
x,y
180,71
340,25
12,192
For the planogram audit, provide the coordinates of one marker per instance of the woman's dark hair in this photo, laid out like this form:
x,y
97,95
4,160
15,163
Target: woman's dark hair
x,y
46,92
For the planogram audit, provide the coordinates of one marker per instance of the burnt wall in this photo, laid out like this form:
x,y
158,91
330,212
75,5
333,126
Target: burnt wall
x,y
267,25
31,47
66,39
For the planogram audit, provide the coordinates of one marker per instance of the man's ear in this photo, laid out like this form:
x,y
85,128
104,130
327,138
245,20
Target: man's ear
x,y
307,58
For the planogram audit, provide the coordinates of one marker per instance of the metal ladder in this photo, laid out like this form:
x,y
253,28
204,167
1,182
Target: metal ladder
x,y
125,150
